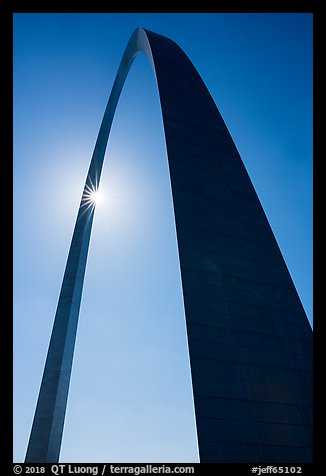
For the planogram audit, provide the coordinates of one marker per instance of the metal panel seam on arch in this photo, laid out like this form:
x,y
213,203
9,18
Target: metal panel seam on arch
x,y
248,336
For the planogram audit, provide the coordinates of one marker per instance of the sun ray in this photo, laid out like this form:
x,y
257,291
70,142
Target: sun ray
x,y
92,196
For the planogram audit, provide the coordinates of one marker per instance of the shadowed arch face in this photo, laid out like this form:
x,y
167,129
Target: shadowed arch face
x,y
248,336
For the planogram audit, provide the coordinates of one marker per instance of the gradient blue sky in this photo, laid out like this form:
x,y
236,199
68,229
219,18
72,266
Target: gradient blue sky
x,y
130,397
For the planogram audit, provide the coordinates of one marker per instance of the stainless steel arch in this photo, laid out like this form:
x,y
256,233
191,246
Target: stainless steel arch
x,y
227,265
46,434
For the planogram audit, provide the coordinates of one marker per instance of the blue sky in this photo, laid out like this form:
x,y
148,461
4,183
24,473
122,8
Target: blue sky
x,y
130,396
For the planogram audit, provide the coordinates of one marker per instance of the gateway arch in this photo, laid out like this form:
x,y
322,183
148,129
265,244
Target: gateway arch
x,y
249,340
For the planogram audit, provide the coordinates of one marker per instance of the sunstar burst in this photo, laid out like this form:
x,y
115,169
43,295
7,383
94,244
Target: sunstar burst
x,y
92,196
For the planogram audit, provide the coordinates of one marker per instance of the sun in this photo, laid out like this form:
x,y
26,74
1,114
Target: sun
x,y
92,196
96,197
